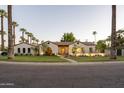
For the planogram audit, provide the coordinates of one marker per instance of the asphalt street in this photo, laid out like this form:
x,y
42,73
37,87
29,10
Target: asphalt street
x,y
36,75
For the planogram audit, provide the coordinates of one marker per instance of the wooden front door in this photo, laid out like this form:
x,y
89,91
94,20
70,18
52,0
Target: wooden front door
x,y
63,50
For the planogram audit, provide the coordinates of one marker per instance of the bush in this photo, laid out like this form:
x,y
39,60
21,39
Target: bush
x,y
30,55
4,53
49,51
26,54
16,54
53,54
21,54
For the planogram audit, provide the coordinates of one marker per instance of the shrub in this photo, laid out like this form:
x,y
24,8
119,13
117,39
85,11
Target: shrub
x,y
53,54
4,53
21,54
16,54
26,54
30,54
49,51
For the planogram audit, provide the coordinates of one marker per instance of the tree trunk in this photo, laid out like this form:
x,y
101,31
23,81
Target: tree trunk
x,y
113,33
14,34
2,35
23,36
10,35
28,39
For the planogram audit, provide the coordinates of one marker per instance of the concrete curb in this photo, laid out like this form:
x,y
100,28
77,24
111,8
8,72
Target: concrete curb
x,y
63,63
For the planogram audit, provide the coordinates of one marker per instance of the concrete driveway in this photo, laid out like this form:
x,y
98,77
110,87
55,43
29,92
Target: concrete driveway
x,y
65,75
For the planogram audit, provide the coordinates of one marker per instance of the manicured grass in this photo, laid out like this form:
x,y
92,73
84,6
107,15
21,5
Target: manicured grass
x,y
96,59
34,59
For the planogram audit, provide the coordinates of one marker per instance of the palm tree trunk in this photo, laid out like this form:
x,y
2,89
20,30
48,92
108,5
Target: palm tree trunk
x,y
30,40
113,33
23,36
14,34
2,35
10,35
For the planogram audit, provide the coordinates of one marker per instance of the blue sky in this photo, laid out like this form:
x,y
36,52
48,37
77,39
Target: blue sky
x,y
50,22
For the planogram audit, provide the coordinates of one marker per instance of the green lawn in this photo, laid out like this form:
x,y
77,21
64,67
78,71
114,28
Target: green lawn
x,y
34,59
96,59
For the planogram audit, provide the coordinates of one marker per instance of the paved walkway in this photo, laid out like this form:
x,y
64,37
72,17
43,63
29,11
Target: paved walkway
x,y
70,60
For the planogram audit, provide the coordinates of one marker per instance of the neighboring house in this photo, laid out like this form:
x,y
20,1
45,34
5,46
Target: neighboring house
x,y
24,48
119,51
66,48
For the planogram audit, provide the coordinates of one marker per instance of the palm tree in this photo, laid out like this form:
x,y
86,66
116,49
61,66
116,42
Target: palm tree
x,y
14,24
33,39
28,36
113,34
4,33
31,36
37,40
44,47
10,39
2,15
23,30
94,33
22,39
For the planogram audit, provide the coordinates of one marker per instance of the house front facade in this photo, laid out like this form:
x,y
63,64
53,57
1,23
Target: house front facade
x,y
24,48
69,48
57,48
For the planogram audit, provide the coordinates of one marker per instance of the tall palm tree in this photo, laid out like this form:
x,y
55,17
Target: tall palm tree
x,y
33,39
23,30
28,36
4,33
14,24
3,14
22,39
94,33
113,33
37,40
10,39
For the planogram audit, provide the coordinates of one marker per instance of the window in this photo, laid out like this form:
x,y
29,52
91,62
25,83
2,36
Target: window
x,y
18,50
23,50
29,50
90,50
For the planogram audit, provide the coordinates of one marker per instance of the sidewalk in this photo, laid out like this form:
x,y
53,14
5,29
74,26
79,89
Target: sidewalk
x,y
70,60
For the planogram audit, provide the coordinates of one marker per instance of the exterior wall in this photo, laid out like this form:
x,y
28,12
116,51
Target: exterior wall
x,y
107,52
21,46
85,47
53,47
40,50
122,52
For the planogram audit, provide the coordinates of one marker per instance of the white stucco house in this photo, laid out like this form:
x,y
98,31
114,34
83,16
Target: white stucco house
x,y
57,48
24,48
66,48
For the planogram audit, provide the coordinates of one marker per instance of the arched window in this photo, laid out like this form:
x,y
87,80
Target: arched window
x,y
29,50
18,50
23,50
